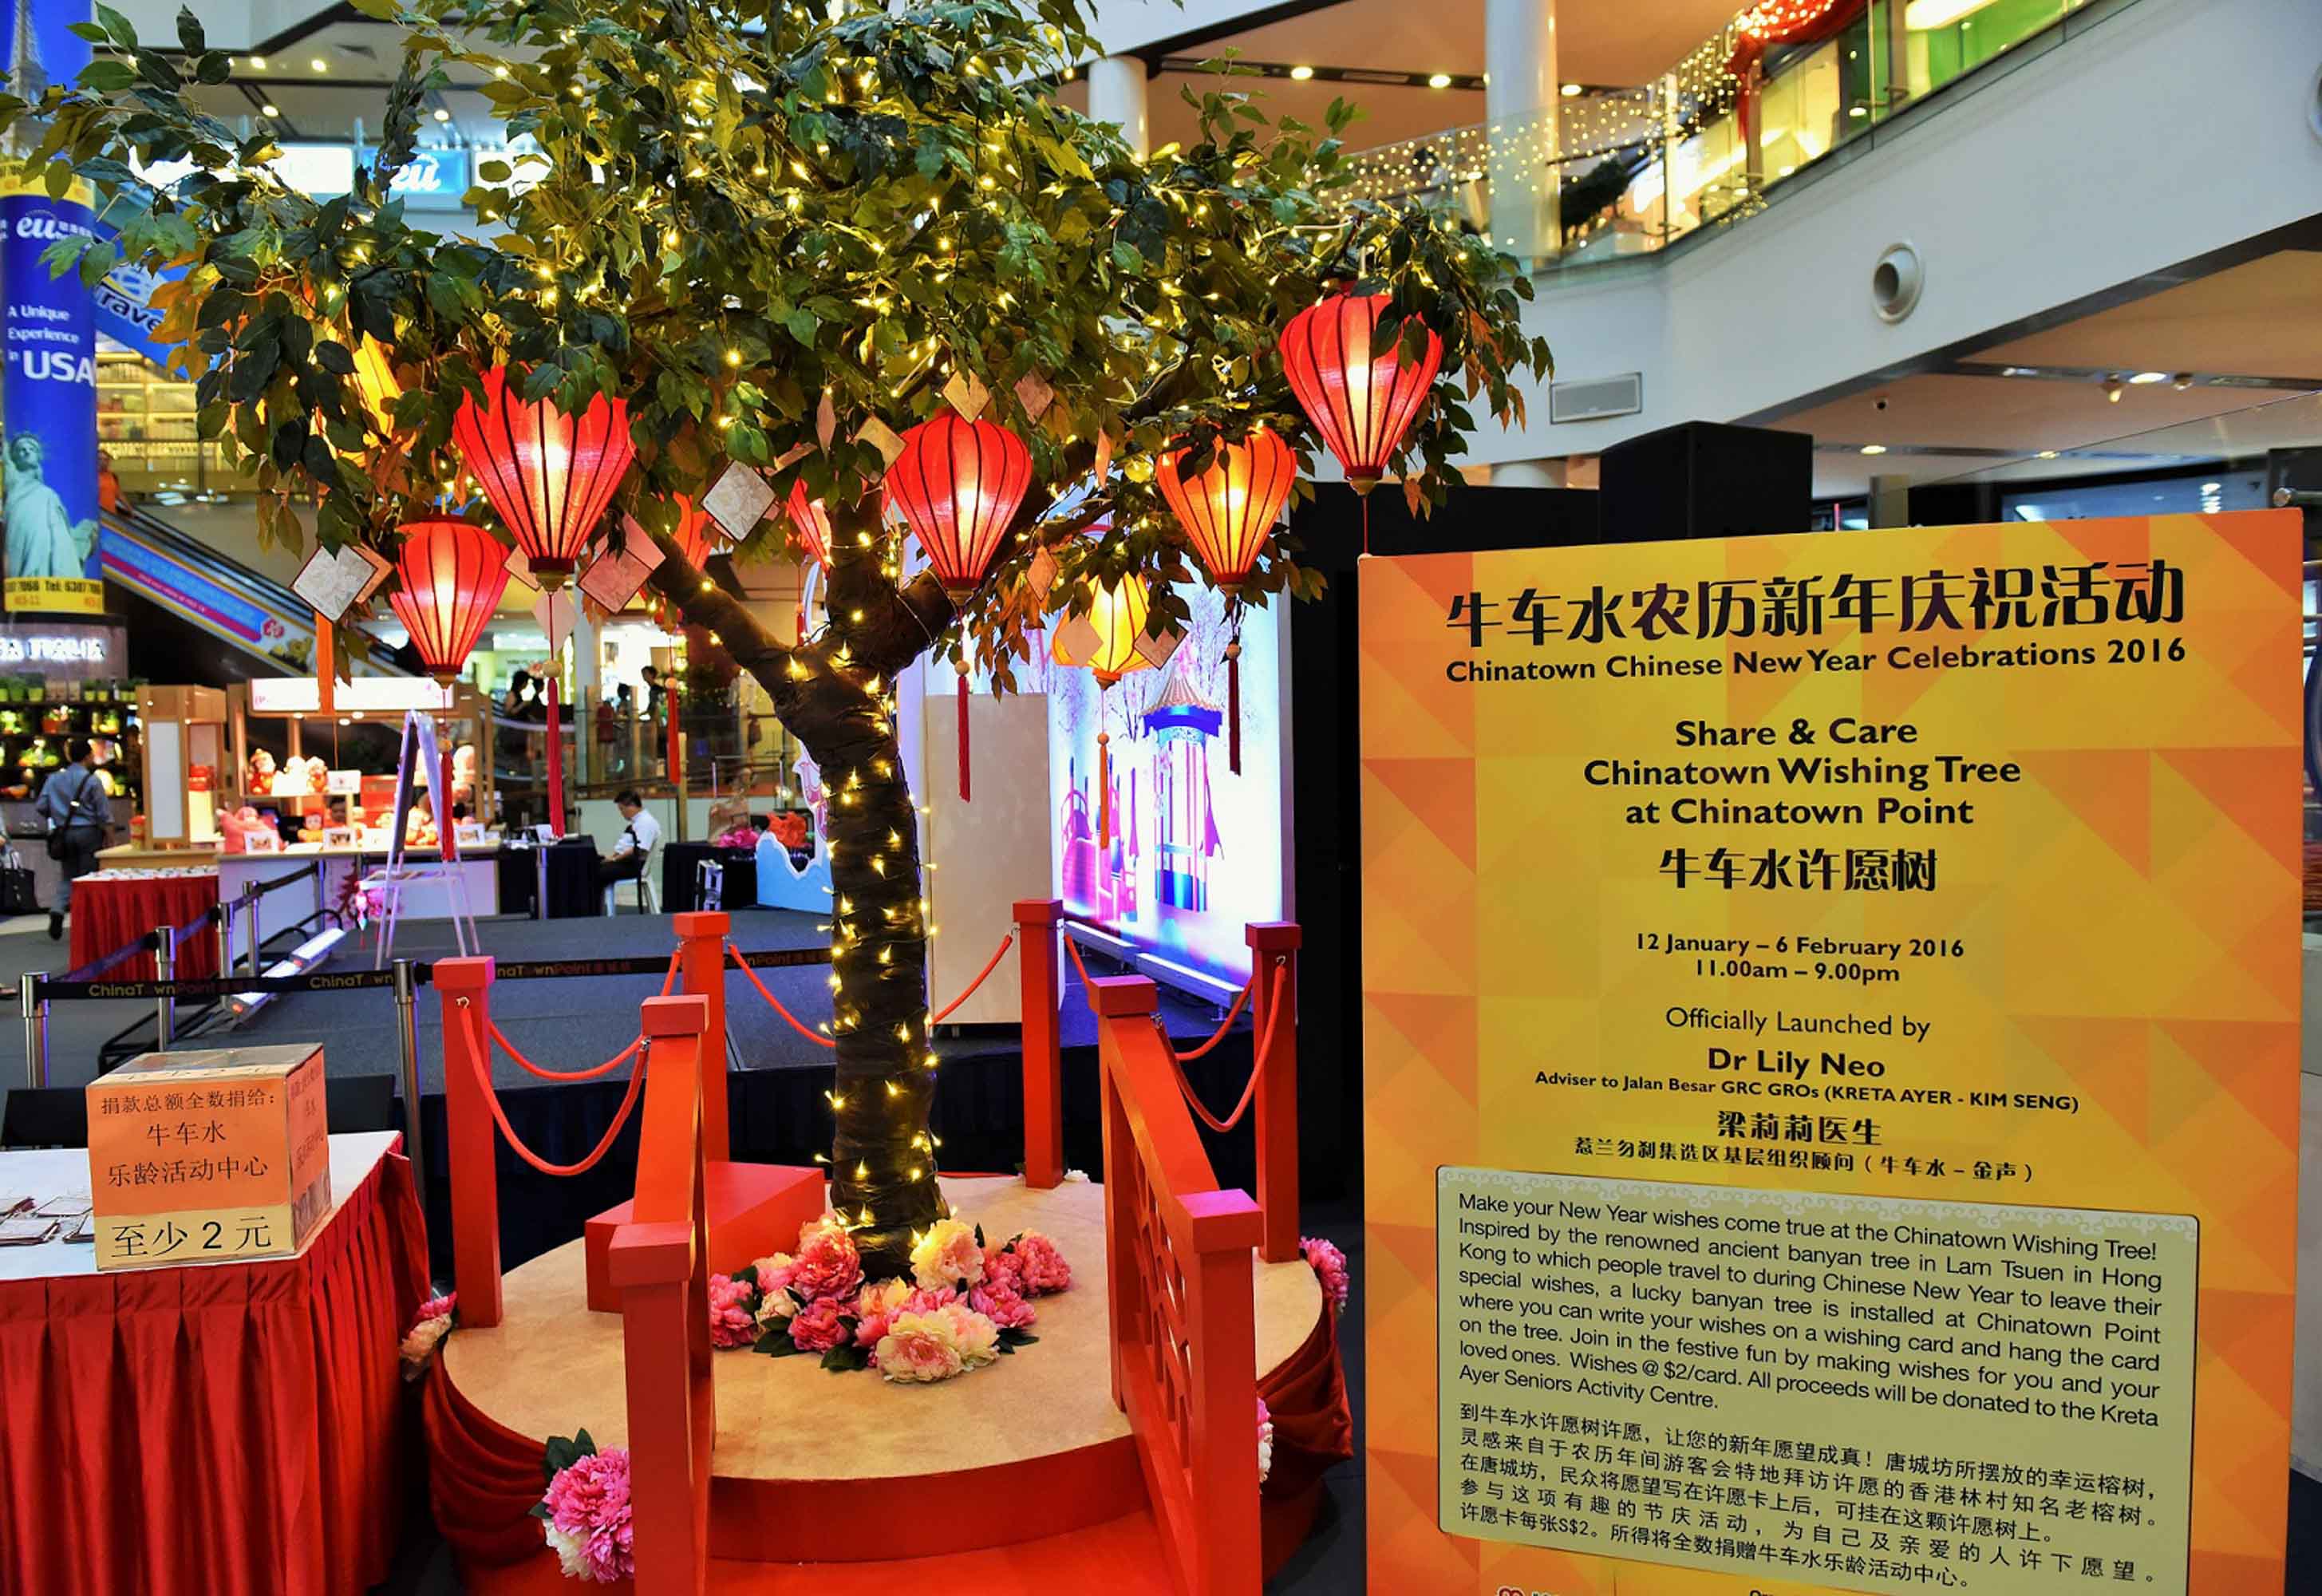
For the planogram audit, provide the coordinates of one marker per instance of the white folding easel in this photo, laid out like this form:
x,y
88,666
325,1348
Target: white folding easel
x,y
420,748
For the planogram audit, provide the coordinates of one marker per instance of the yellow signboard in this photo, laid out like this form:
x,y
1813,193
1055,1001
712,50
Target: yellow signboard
x,y
1830,1054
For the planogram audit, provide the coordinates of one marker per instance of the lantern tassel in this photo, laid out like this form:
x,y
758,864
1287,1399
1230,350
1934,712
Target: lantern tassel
x,y
556,762
1233,706
1103,793
964,759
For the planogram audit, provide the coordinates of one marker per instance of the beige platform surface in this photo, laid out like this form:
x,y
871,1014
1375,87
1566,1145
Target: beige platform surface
x,y
552,1366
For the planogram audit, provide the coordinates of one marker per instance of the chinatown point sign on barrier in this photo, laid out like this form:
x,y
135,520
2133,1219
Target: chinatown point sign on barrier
x,y
1831,1027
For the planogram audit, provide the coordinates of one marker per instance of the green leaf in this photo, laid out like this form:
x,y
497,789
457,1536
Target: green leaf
x,y
334,357
107,75
777,1343
117,27
383,10
845,1358
189,32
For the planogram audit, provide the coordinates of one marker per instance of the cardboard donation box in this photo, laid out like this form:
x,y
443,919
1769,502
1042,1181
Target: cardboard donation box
x,y
204,1156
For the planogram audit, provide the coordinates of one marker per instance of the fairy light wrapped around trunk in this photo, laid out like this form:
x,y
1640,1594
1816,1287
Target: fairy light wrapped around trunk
x,y
1361,403
958,485
453,574
1226,512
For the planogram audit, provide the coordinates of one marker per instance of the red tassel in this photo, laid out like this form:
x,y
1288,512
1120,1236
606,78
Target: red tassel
x,y
1233,708
1103,791
555,764
963,738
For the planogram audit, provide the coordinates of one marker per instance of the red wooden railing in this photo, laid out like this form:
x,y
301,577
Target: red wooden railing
x,y
660,1262
1179,1293
1040,985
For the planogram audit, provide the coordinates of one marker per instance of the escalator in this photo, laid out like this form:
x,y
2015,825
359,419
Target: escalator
x,y
197,615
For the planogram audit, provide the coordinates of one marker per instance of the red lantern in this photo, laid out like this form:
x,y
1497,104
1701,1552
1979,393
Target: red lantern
x,y
453,574
812,522
1362,404
693,530
958,483
1228,508
548,474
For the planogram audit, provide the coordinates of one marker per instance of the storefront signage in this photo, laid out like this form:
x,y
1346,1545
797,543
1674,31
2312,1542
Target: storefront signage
x,y
1831,1059
302,695
49,395
63,652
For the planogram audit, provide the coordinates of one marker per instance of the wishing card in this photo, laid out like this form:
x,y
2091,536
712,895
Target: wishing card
x,y
554,612
967,393
882,437
616,574
738,500
1033,392
334,581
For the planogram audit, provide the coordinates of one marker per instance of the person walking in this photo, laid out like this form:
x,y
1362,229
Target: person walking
x,y
79,807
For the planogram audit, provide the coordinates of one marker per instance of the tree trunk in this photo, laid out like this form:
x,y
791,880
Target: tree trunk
x,y
834,694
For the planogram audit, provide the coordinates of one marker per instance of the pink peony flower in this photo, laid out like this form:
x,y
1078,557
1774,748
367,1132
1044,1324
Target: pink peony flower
x,y
817,1326
998,1262
589,1516
1265,1441
927,1302
875,1305
947,1255
419,1343
438,1308
827,1263
918,1349
977,1337
1330,1265
733,1311
998,1300
1040,1265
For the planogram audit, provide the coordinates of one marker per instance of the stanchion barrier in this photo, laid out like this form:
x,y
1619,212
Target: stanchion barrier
x,y
797,1024
165,1004
468,1151
1258,1056
701,959
500,1040
1218,1035
35,1013
1037,995
477,1055
406,1035
999,953
1275,1063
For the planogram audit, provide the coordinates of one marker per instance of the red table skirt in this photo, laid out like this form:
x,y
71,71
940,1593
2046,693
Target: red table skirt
x,y
230,1430
110,909
484,1479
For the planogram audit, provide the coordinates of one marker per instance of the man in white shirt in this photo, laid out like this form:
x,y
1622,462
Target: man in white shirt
x,y
639,837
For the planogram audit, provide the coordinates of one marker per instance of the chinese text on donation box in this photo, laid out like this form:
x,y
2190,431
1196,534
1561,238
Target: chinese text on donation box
x,y
1831,1045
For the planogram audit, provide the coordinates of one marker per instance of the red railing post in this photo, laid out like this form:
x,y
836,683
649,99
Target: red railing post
x,y
470,1140
702,973
1223,1419
1044,1097
1273,947
660,1263
1125,1192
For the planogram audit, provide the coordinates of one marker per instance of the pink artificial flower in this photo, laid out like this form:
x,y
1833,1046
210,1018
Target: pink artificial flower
x,y
919,1349
999,1262
1040,1265
827,1263
923,1301
733,1311
977,1337
438,1308
1265,1441
817,1326
875,1306
947,1255
998,1300
1330,1266
589,1516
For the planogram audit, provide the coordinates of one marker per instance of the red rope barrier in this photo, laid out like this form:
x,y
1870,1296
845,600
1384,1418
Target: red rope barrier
x,y
1258,1063
814,1037
529,1068
499,1115
1232,1014
1071,947
1006,942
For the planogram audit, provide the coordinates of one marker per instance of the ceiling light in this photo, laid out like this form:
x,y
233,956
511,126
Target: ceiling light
x,y
1302,73
2147,379
2047,453
1440,80
1874,448
1858,110
259,62
1571,91
2019,371
319,64
270,110
2113,389
2183,381
1920,16
442,115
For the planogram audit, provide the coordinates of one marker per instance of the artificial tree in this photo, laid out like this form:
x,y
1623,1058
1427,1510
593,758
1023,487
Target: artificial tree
x,y
783,236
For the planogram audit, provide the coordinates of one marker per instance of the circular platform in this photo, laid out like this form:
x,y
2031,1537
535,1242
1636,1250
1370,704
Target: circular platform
x,y
1037,1428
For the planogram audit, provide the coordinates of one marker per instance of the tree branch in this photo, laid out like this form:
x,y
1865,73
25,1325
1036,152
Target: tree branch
x,y
702,602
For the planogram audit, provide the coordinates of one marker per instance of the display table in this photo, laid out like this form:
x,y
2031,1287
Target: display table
x,y
572,880
209,1429
681,875
115,907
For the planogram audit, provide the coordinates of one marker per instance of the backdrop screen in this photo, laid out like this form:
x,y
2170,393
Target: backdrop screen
x,y
1194,851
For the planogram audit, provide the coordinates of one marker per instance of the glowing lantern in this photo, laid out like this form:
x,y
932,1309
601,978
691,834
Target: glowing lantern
x,y
1362,404
453,574
693,530
375,380
1228,508
548,474
1111,641
958,483
812,522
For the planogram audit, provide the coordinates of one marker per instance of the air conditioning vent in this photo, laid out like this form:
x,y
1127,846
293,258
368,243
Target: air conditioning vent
x,y
1594,399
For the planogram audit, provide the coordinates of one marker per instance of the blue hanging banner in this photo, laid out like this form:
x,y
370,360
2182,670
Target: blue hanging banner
x,y
47,390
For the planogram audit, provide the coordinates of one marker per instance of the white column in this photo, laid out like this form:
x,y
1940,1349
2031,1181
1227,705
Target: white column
x,y
1528,473
1117,94
1521,95
588,674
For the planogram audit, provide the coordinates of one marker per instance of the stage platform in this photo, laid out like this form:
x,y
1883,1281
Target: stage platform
x,y
778,1111
818,1467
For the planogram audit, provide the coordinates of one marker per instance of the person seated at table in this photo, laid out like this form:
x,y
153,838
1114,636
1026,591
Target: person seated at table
x,y
639,837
